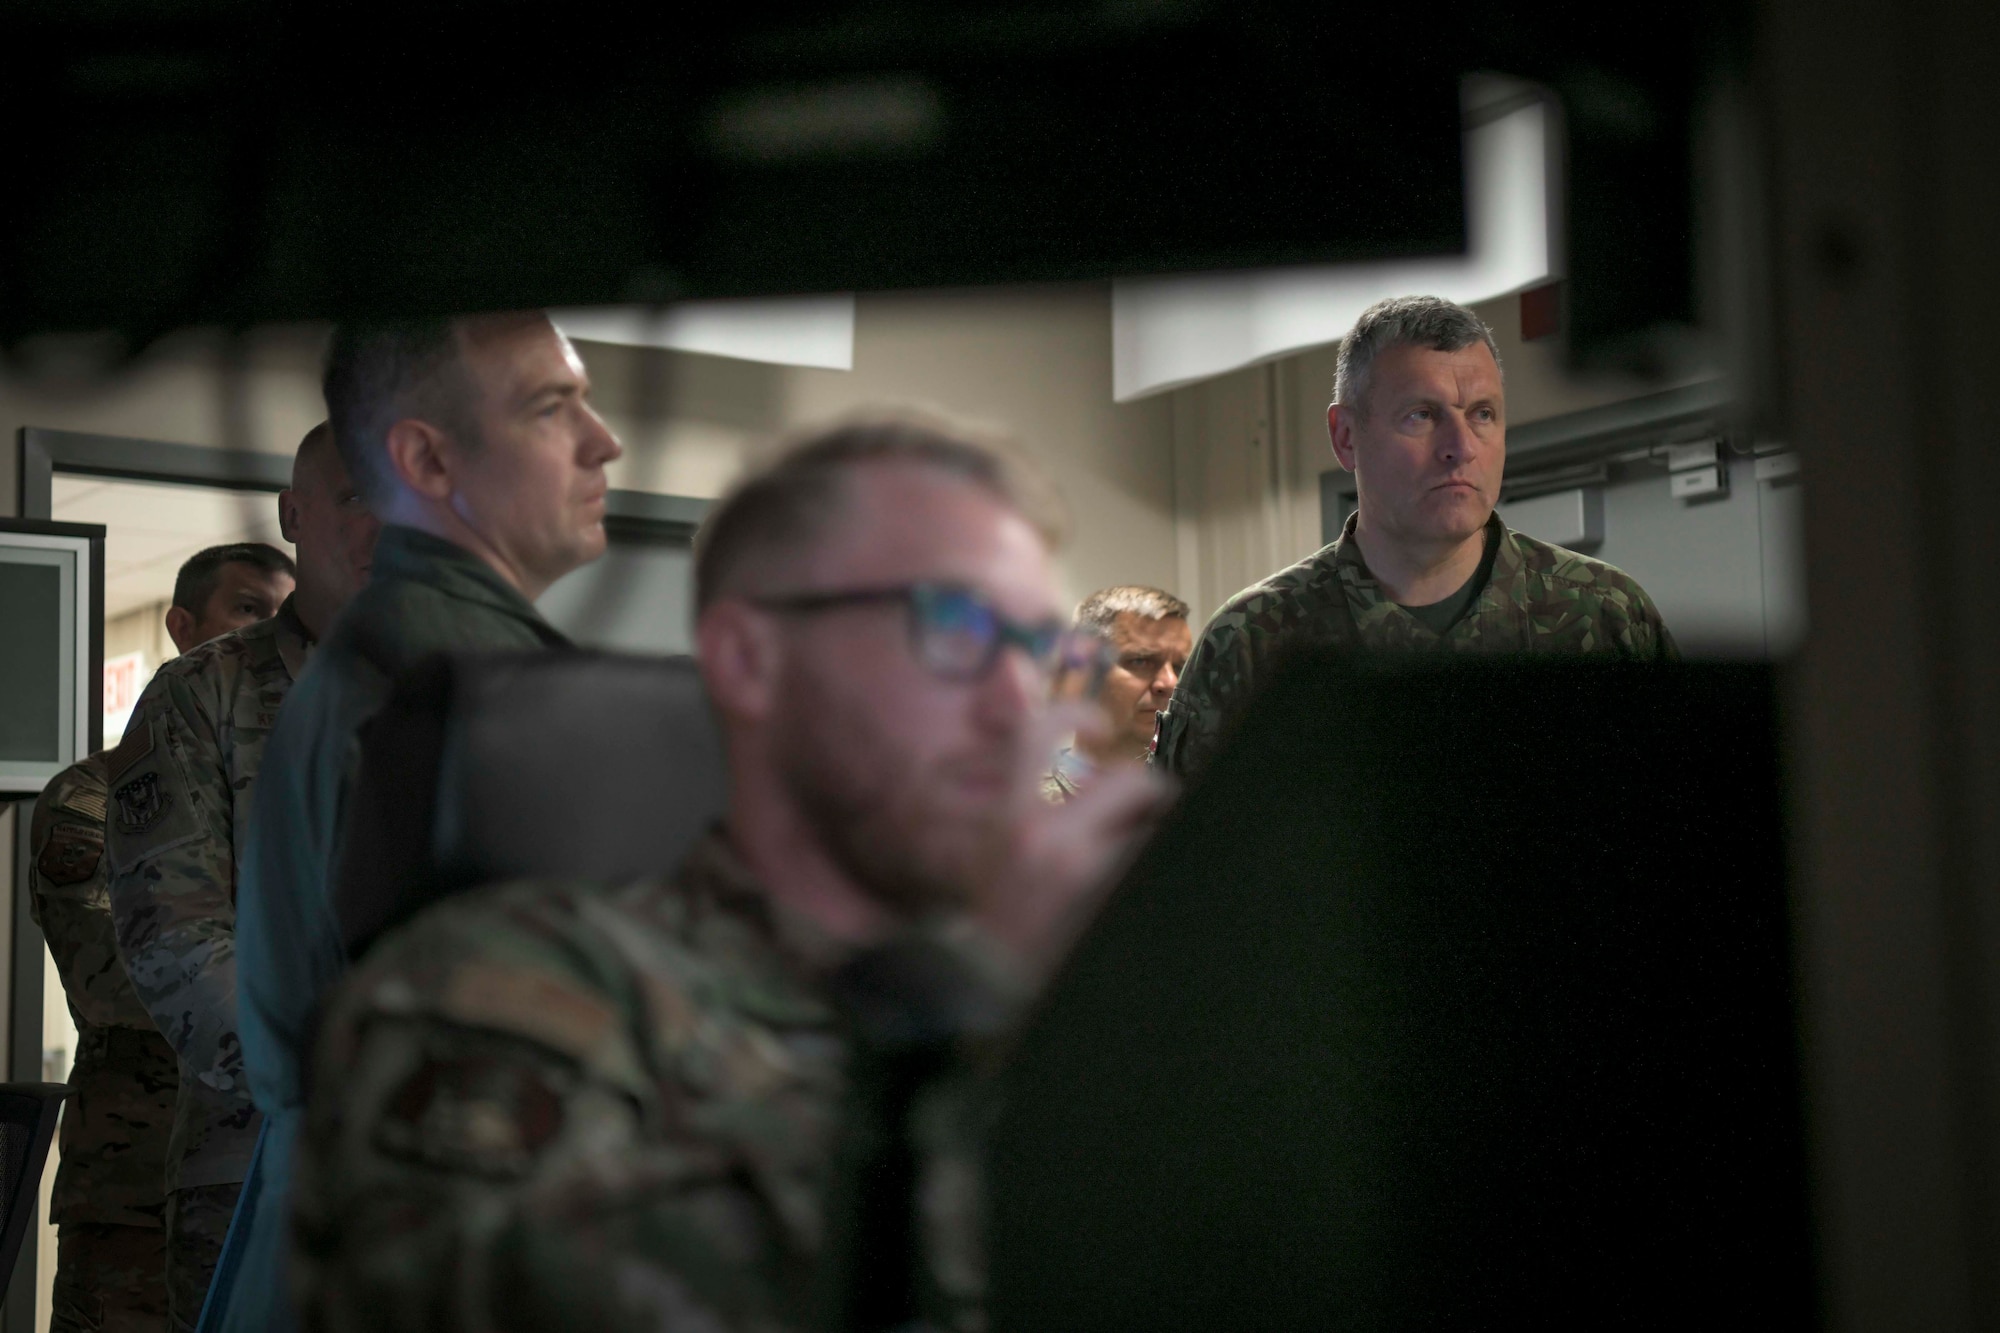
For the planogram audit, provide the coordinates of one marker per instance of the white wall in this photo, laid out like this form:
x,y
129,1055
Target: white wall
x,y
1034,361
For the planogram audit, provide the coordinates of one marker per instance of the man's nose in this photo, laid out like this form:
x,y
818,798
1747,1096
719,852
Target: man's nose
x,y
1009,688
1455,440
600,444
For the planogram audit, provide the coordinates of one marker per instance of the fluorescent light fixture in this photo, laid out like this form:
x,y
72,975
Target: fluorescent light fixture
x,y
815,331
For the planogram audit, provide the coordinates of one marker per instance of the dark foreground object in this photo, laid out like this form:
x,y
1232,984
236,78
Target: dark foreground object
x,y
1455,995
28,1113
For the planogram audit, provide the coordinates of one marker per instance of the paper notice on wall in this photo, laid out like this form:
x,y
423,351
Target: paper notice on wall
x,y
124,677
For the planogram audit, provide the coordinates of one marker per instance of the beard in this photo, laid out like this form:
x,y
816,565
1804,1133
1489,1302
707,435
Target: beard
x,y
889,819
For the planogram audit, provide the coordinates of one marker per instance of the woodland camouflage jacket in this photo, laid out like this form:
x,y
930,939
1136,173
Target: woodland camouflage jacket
x,y
556,1107
1539,599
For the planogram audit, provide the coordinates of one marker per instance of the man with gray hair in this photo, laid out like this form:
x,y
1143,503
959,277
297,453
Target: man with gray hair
x,y
1147,639
1419,416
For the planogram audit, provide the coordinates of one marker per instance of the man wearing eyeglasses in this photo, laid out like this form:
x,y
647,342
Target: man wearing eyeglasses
x,y
738,1096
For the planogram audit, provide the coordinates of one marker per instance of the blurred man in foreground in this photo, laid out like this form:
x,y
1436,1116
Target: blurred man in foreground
x,y
1419,416
474,441
109,1200
550,1106
181,784
1147,636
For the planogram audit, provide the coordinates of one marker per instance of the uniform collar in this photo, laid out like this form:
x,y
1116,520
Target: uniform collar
x,y
1349,563
295,644
420,557
714,869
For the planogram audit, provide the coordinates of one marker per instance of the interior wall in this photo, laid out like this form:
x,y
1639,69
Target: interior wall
x,y
141,630
259,392
1035,362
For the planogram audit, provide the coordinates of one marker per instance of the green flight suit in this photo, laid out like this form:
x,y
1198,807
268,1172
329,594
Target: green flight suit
x,y
424,596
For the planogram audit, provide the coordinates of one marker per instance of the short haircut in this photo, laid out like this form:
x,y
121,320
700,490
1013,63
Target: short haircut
x,y
1403,321
202,571
379,373
787,499
1100,611
318,438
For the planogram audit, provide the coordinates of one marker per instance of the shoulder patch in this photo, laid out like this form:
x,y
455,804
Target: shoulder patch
x,y
142,803
71,854
472,1111
136,744
530,1003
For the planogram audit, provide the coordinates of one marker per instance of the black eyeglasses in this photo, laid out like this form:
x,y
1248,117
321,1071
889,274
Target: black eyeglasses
x,y
954,632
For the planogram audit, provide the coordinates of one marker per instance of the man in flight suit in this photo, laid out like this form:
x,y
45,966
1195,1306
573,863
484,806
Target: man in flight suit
x,y
475,443
1419,416
675,1104
110,1197
180,793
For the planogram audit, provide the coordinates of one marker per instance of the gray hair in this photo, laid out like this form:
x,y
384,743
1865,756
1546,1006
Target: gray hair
x,y
1102,608
1403,321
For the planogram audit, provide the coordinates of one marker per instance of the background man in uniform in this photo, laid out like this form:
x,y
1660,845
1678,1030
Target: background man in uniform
x,y
1147,630
565,1107
475,443
180,794
110,1195
1419,417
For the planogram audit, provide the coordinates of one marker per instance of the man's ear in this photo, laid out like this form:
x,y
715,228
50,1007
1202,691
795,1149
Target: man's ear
x,y
180,628
420,454
1340,426
741,658
288,515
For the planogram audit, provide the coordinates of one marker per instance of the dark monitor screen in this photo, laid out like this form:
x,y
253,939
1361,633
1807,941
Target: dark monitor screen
x,y
51,653
31,663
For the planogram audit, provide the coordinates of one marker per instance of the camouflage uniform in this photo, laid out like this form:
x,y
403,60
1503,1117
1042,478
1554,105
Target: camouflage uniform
x,y
561,1107
1538,599
180,791
110,1189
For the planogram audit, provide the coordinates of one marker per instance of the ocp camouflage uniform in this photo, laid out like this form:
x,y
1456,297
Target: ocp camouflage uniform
x,y
181,782
565,1107
110,1192
1539,598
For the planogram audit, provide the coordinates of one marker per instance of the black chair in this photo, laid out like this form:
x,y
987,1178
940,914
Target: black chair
x,y
488,767
28,1114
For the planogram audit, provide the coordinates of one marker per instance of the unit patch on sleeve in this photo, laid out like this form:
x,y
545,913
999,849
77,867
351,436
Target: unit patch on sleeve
x,y
142,803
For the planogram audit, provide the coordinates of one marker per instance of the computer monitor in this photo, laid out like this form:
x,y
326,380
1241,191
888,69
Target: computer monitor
x,y
52,654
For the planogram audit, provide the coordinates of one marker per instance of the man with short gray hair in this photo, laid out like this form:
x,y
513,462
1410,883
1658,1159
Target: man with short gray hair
x,y
1146,636
1424,564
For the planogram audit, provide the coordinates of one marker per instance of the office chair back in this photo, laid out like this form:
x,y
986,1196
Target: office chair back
x,y
28,1114
489,767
